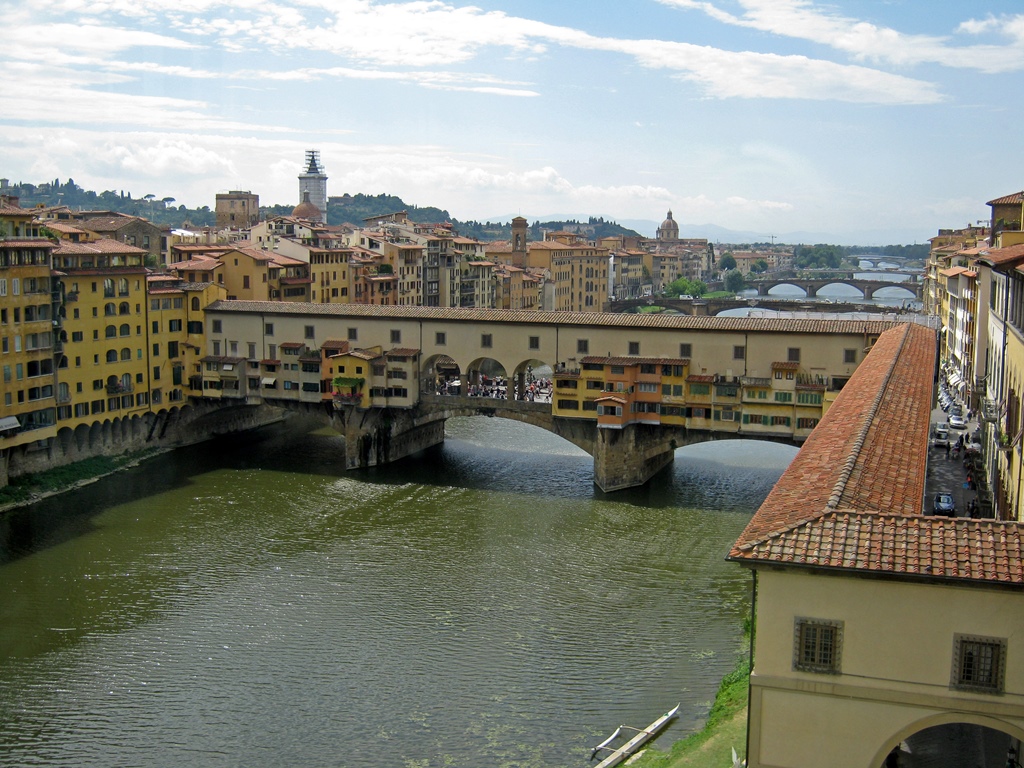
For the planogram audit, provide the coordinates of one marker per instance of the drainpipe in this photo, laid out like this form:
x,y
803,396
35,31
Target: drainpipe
x,y
750,657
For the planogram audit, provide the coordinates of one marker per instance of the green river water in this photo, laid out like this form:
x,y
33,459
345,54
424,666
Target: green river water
x,y
246,602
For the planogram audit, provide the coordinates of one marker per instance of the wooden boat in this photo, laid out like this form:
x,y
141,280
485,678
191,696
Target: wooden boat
x,y
617,754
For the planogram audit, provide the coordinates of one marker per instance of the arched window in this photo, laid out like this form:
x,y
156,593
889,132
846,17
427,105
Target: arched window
x,y
111,332
126,354
122,286
126,330
111,355
108,288
63,392
109,309
124,308
126,382
195,303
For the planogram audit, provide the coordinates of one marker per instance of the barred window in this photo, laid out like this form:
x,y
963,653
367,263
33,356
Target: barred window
x,y
817,645
978,663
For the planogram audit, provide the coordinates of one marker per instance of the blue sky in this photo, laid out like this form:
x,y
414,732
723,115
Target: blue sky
x,y
860,121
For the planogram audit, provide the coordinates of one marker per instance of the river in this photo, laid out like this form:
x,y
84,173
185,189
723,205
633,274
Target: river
x,y
246,602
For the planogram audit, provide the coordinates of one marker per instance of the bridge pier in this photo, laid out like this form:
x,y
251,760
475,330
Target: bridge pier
x,y
628,457
380,436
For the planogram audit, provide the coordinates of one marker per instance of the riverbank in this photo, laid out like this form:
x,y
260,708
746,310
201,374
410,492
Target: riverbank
x,y
725,731
28,489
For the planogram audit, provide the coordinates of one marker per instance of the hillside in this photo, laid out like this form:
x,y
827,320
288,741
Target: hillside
x,y
346,209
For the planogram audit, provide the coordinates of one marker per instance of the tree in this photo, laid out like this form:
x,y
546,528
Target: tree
x,y
734,281
759,266
727,262
684,287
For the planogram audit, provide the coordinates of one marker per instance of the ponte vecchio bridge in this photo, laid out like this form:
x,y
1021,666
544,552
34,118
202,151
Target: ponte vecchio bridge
x,y
628,389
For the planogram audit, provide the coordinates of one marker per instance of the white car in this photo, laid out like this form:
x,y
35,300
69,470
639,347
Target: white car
x,y
957,422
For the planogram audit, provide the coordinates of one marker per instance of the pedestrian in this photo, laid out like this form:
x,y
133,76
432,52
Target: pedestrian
x,y
947,449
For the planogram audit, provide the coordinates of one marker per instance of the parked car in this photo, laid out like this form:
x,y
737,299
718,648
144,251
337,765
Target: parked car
x,y
944,505
941,433
956,409
957,422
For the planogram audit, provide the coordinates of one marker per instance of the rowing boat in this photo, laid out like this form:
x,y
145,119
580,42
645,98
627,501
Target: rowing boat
x,y
617,754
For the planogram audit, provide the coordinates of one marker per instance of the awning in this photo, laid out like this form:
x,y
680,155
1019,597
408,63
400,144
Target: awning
x,y
8,423
269,382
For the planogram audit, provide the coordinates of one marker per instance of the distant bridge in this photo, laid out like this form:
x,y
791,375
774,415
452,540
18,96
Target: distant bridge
x,y
810,287
712,307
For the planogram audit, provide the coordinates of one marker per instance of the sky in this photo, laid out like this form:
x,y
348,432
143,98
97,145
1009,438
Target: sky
x,y
859,121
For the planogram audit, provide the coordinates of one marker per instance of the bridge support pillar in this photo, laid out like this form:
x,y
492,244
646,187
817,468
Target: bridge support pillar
x,y
380,436
628,457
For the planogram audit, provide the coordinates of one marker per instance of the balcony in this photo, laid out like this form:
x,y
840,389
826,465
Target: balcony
x,y
120,388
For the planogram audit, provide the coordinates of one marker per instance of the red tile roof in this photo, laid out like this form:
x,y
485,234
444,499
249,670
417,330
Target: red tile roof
x,y
1016,197
1000,256
853,497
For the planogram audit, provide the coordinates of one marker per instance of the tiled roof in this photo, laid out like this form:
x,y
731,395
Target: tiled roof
x,y
27,242
701,378
852,499
402,352
1016,197
1000,256
909,545
108,223
791,326
785,365
104,245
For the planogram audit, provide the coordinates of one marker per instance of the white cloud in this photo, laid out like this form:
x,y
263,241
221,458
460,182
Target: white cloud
x,y
802,19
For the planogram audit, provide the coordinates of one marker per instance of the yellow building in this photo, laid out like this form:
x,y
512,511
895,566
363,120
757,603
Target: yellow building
x,y
177,337
106,366
30,328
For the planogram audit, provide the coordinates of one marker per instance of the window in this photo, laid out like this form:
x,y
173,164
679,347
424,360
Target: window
x,y
353,334
396,337
817,645
739,352
535,342
849,355
156,350
174,326
634,347
793,354
245,280
700,389
310,332
978,663
195,303
440,338
156,326
486,340
783,397
217,326
268,329
582,346
686,350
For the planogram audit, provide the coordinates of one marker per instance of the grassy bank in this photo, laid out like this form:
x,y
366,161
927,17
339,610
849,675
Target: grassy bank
x,y
28,488
725,730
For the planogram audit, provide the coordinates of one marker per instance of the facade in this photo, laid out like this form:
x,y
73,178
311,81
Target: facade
x,y
31,329
879,629
237,209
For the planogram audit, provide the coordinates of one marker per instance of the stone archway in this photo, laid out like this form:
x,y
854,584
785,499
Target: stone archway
x,y
951,741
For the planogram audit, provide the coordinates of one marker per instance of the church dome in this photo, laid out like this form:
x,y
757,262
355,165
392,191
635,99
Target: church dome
x,y
306,210
668,230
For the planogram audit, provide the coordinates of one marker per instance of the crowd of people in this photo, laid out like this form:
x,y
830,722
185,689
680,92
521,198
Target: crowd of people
x,y
535,390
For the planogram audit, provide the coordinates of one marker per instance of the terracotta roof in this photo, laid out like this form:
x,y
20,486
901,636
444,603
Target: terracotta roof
x,y
701,378
954,271
909,545
852,499
27,242
334,344
108,223
785,365
1000,256
613,398
1016,197
101,246
402,352
292,345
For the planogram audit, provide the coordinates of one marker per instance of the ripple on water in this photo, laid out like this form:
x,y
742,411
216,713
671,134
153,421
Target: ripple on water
x,y
477,604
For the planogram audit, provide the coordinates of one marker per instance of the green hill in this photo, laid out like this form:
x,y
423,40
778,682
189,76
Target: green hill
x,y
345,209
